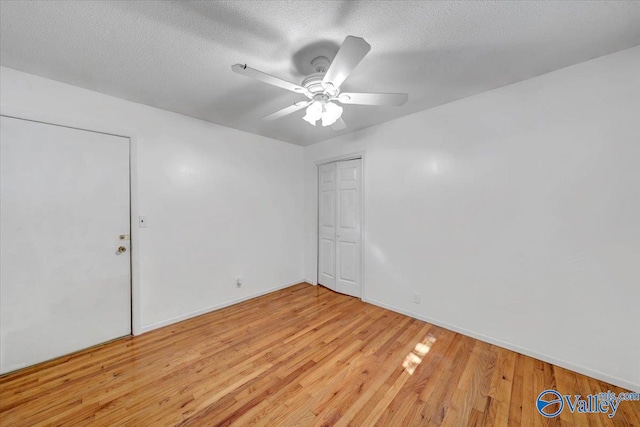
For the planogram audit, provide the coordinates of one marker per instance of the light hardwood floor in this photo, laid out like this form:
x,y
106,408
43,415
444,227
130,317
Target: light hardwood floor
x,y
294,358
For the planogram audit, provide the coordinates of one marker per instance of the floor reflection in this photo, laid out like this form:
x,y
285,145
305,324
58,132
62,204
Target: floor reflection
x,y
414,358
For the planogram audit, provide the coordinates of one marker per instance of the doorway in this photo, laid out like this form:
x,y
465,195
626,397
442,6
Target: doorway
x,y
340,226
65,283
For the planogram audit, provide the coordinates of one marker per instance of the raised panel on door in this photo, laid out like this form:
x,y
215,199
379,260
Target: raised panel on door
x,y
348,218
348,252
327,267
64,286
348,227
328,209
326,225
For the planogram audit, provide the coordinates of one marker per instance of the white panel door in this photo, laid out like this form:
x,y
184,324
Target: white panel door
x,y
327,225
64,285
348,218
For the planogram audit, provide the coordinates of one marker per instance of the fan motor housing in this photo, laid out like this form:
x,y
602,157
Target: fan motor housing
x,y
313,83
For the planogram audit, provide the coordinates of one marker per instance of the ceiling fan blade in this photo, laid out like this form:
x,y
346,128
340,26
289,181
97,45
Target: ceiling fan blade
x,y
351,52
339,124
267,78
288,110
396,99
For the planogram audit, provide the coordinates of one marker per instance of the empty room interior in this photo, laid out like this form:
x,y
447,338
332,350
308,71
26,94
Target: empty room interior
x,y
319,213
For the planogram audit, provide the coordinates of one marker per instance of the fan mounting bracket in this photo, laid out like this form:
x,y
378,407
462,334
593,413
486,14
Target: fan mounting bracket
x,y
320,64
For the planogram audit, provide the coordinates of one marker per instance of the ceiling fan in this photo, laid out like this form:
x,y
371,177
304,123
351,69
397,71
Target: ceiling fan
x,y
322,88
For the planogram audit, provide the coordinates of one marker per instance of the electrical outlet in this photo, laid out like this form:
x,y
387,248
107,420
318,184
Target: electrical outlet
x,y
416,298
238,282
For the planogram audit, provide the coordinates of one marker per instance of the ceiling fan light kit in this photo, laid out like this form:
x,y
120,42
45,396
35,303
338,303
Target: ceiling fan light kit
x,y
322,88
324,110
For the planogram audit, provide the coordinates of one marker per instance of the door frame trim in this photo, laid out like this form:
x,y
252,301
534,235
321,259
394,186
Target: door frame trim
x,y
349,156
86,125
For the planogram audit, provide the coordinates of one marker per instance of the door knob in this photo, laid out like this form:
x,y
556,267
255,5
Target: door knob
x,y
122,249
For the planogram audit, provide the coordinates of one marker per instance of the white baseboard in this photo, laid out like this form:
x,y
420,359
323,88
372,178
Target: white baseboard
x,y
186,316
628,385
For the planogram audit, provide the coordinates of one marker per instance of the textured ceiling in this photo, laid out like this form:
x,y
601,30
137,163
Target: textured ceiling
x,y
178,55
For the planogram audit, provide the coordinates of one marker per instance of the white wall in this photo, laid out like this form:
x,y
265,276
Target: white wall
x,y
220,203
514,213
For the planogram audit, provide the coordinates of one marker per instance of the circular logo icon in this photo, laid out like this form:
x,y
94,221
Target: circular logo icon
x,y
545,401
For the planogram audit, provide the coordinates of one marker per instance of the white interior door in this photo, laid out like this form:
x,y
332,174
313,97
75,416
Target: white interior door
x,y
339,227
64,285
348,180
327,225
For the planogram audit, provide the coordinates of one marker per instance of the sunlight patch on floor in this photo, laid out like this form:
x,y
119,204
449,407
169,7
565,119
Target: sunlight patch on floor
x,y
414,358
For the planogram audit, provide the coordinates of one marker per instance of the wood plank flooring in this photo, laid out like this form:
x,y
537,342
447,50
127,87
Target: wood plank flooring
x,y
296,358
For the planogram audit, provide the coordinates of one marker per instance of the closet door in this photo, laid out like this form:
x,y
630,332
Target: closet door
x,y
327,225
348,227
65,279
339,226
